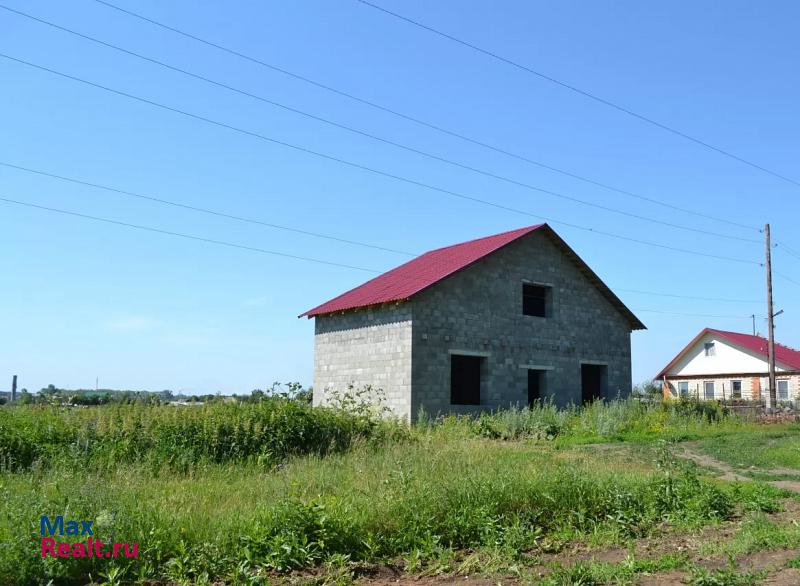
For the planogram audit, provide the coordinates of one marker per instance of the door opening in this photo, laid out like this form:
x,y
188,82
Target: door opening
x,y
465,380
593,382
536,384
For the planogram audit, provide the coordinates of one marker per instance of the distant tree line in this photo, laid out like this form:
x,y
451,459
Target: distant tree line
x,y
294,391
53,395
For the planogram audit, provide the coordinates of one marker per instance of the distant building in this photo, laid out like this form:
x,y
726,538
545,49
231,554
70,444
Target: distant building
x,y
726,365
502,320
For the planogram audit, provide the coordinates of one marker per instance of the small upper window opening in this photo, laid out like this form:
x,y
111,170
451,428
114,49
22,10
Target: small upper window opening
x,y
710,348
535,300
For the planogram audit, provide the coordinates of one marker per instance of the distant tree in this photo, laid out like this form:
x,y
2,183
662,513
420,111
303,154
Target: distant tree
x,y
648,389
49,390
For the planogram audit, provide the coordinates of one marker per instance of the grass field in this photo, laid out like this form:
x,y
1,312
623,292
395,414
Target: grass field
x,y
778,449
278,492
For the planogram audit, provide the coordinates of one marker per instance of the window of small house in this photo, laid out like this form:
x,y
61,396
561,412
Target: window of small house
x,y
683,388
535,300
708,390
736,389
783,390
465,380
710,349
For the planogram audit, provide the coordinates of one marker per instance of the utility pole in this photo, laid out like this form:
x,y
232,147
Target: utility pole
x,y
771,401
14,388
754,323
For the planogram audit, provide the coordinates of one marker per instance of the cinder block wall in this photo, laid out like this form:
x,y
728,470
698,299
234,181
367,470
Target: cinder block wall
x,y
405,348
369,346
479,310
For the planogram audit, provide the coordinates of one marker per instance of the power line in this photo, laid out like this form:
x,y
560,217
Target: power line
x,y
163,201
659,294
693,314
787,250
581,92
188,236
787,278
785,247
418,121
371,169
202,210
371,136
262,250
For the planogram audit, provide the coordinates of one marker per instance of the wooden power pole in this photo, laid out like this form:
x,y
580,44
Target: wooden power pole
x,y
772,402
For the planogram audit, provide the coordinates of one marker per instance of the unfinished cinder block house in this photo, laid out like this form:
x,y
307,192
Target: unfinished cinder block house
x,y
498,321
728,365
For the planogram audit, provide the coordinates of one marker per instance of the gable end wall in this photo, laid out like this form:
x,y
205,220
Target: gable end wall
x,y
371,346
479,310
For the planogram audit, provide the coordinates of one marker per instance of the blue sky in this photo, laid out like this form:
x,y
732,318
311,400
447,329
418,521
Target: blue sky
x,y
81,299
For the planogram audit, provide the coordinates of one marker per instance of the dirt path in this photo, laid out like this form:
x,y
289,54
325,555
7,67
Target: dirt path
x,y
725,471
771,562
729,473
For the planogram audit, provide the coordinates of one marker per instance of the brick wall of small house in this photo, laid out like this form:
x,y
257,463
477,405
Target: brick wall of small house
x,y
366,347
479,310
753,387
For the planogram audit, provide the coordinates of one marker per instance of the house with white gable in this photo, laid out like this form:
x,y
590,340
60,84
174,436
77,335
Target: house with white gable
x,y
727,365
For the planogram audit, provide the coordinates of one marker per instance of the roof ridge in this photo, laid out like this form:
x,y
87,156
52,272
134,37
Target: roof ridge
x,y
474,240
762,338
732,332
431,267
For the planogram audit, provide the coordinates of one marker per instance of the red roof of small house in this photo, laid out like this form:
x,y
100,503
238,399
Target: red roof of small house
x,y
783,354
418,274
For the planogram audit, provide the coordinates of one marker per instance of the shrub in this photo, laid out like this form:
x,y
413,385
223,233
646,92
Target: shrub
x,y
596,421
180,437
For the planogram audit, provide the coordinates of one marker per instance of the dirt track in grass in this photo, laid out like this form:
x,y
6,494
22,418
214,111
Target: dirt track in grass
x,y
727,472
772,563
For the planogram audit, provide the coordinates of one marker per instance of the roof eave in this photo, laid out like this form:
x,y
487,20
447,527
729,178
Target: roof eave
x,y
313,313
680,354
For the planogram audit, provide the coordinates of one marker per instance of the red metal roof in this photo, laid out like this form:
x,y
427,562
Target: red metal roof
x,y
783,354
430,268
420,273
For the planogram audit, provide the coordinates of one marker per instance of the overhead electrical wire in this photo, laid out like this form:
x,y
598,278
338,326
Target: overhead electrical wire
x,y
371,169
193,208
781,246
786,278
188,236
787,250
693,314
329,157
163,201
577,90
721,299
262,250
416,120
371,136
